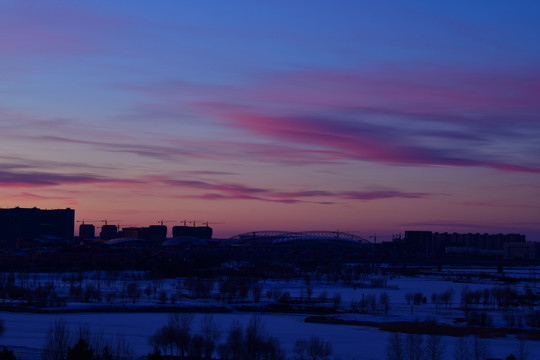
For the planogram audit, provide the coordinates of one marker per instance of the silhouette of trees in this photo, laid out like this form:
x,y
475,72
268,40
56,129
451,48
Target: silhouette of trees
x,y
314,348
196,347
444,298
395,350
6,354
384,302
251,343
148,291
435,347
163,297
414,347
233,347
336,300
480,349
81,351
61,344
461,349
415,299
133,292
210,333
523,351
90,292
57,340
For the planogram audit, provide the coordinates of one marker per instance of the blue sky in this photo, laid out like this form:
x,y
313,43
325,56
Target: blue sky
x,y
359,116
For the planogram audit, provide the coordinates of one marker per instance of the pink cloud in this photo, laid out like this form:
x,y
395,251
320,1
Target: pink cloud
x,y
35,178
220,191
415,90
415,116
31,197
363,142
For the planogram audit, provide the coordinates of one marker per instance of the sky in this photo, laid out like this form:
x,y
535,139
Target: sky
x,y
359,116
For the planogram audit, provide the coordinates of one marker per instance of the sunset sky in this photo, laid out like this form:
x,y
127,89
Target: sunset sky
x,y
358,116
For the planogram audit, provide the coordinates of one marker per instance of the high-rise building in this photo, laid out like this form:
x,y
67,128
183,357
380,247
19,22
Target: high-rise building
x,y
157,233
108,232
200,232
87,232
28,224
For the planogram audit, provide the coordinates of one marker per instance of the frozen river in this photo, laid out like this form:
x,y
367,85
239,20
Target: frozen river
x,y
25,333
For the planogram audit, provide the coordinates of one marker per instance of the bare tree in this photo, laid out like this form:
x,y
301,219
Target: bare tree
x,y
100,345
461,349
272,349
413,347
318,349
435,347
210,332
384,302
395,350
179,326
57,341
410,300
122,349
163,297
446,298
337,300
133,291
234,343
300,349
258,345
197,347
254,337
480,349
160,340
523,351
256,291
148,291
156,284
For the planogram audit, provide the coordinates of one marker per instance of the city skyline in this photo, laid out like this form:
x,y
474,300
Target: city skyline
x,y
352,116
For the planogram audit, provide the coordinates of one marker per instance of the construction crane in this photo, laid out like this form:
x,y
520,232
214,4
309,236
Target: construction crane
x,y
105,221
165,221
83,220
206,223
375,236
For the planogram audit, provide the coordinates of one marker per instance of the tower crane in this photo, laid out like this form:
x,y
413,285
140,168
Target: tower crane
x,y
105,221
84,220
164,221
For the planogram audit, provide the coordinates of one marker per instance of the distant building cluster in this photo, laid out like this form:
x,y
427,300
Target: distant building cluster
x,y
427,244
33,228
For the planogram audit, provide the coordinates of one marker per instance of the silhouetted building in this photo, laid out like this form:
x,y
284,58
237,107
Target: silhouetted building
x,y
199,232
87,232
521,250
434,244
28,224
130,232
158,233
419,242
108,232
153,233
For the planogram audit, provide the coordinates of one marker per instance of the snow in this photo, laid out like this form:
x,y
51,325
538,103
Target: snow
x,y
25,332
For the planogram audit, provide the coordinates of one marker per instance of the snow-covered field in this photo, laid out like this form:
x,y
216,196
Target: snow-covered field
x,y
25,332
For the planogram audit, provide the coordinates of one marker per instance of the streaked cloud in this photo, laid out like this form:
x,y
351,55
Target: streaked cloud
x,y
27,178
221,191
